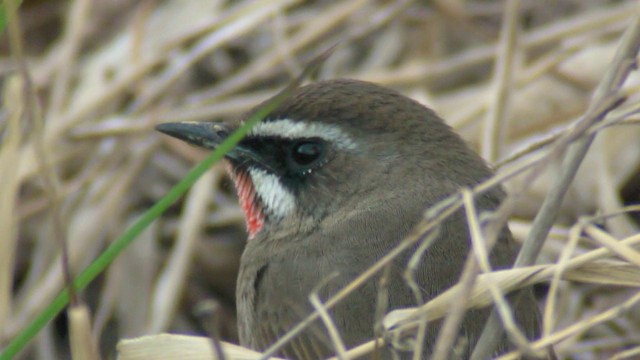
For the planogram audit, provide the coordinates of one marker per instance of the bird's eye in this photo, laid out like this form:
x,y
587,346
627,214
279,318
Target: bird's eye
x,y
307,153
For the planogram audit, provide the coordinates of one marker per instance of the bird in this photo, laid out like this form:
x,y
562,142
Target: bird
x,y
330,181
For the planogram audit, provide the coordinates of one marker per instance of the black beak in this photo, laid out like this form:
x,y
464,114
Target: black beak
x,y
203,134
208,135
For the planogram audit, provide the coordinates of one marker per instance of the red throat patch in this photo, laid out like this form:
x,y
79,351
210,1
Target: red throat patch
x,y
248,200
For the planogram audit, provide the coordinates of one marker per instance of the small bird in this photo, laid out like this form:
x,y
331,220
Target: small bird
x,y
331,181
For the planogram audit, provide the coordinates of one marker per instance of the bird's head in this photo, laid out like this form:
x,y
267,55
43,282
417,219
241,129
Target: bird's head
x,y
337,147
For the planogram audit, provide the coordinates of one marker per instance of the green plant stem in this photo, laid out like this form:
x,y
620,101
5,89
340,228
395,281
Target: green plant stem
x,y
3,12
101,263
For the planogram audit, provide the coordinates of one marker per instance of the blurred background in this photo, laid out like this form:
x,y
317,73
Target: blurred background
x,y
106,72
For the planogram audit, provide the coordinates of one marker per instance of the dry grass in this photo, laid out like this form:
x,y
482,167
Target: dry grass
x,y
79,159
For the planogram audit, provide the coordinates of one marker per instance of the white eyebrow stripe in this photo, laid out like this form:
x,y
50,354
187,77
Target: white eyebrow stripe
x,y
288,129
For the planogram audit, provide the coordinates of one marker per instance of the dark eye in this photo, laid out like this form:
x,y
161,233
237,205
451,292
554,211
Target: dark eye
x,y
307,153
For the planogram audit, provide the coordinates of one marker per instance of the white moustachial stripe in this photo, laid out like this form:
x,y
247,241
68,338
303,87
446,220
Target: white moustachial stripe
x,y
276,200
285,128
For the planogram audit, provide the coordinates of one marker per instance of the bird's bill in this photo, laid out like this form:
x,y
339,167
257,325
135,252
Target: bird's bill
x,y
208,135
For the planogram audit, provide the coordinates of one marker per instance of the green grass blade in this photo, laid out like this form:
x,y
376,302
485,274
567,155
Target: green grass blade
x,y
3,14
109,255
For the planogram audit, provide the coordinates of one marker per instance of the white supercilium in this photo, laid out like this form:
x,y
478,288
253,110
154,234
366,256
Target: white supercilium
x,y
288,129
275,198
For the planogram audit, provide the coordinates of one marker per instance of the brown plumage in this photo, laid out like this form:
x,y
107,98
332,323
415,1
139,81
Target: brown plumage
x,y
340,173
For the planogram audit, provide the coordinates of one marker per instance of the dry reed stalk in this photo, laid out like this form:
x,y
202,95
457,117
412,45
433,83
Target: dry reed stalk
x,y
137,64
